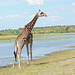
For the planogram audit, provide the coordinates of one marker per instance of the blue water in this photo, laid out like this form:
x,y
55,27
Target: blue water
x,y
41,45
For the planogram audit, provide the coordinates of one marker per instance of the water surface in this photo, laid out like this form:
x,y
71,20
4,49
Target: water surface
x,y
42,44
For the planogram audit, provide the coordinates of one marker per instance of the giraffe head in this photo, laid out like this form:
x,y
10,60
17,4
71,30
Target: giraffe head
x,y
41,14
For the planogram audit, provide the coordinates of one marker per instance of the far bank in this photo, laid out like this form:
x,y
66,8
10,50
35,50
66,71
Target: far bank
x,y
8,37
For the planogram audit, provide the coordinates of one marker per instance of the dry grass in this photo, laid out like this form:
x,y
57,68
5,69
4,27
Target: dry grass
x,y
8,37
14,36
55,34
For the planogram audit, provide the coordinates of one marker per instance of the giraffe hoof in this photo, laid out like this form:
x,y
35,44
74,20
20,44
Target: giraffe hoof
x,y
13,66
19,66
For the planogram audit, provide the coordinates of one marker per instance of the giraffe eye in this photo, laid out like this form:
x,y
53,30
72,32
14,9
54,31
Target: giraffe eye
x,y
41,13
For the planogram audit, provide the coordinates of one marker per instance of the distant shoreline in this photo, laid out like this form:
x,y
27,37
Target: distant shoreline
x,y
9,37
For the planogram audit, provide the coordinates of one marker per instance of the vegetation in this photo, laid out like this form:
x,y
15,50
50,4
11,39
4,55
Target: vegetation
x,y
8,37
41,30
56,63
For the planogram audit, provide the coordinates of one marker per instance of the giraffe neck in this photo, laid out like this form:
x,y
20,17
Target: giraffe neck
x,y
31,24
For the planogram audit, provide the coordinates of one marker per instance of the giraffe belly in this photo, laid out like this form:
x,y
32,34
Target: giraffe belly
x,y
20,44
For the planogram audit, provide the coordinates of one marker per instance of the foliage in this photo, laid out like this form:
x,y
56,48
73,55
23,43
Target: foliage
x,y
41,30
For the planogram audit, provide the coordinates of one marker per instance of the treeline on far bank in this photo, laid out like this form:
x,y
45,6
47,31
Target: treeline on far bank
x,y
41,30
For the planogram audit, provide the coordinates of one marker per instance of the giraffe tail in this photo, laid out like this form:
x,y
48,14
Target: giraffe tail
x,y
15,54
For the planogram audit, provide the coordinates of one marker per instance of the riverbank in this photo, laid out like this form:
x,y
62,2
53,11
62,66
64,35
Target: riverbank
x,y
8,37
56,63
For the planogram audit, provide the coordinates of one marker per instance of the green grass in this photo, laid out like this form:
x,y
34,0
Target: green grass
x,y
56,63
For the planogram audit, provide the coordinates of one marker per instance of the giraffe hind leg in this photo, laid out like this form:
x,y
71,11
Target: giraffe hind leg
x,y
31,41
27,54
19,53
31,49
15,55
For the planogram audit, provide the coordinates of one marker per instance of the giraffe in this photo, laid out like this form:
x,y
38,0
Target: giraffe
x,y
26,37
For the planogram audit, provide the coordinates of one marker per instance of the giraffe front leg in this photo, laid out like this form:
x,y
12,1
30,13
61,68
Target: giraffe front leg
x,y
31,53
31,50
31,40
27,54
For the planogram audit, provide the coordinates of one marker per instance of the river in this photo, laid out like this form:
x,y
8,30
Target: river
x,y
42,44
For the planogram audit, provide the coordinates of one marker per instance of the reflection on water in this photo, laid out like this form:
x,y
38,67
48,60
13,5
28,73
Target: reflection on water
x,y
42,44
